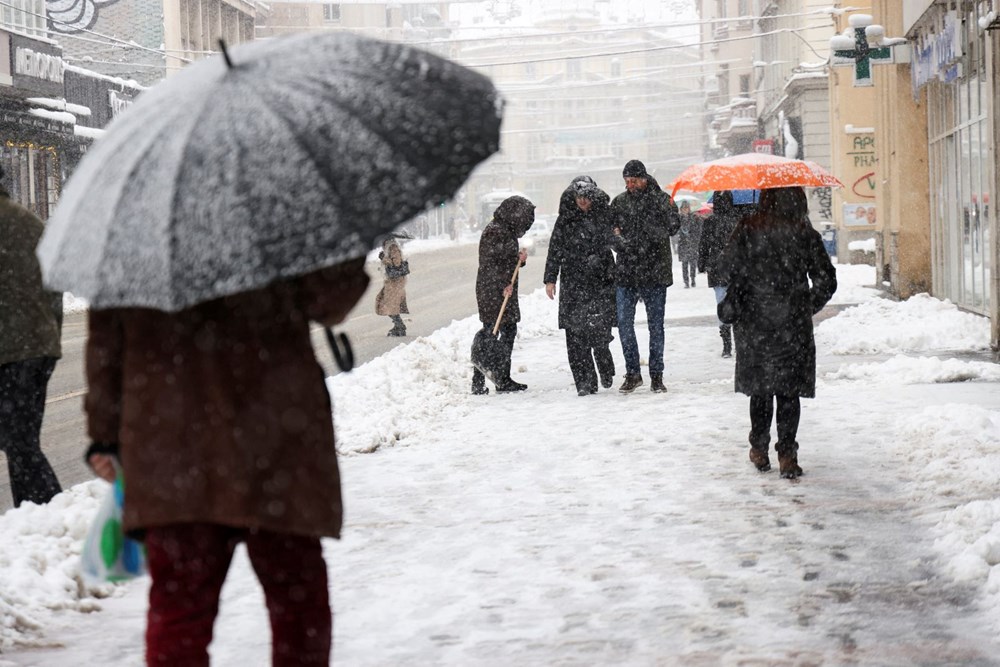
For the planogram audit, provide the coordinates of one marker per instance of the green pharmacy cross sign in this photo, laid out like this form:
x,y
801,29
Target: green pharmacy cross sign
x,y
861,54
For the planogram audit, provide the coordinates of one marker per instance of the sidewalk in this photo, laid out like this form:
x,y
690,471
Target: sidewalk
x,y
544,528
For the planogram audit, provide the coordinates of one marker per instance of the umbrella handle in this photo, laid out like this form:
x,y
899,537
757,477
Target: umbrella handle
x,y
345,357
503,306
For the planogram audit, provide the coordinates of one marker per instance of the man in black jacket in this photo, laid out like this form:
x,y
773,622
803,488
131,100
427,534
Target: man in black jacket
x,y
30,324
645,218
499,254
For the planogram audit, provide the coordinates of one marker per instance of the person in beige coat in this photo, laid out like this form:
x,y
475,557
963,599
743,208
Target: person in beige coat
x,y
391,300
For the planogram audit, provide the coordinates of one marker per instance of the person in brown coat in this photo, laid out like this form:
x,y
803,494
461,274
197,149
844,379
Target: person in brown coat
x,y
499,254
222,422
391,299
30,324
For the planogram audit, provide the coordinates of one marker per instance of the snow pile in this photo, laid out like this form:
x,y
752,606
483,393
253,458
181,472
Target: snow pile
x,y
855,284
908,370
73,304
39,563
955,452
887,327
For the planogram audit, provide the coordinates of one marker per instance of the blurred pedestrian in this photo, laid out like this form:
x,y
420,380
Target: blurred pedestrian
x,y
645,218
715,233
222,422
499,255
782,276
391,299
580,258
687,244
30,329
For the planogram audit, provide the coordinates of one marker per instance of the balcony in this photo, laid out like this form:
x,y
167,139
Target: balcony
x,y
736,119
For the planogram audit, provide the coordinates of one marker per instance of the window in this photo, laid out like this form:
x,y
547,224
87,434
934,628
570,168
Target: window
x,y
25,16
616,67
573,69
331,12
744,84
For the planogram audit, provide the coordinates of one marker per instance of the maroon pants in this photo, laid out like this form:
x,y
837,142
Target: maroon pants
x,y
188,564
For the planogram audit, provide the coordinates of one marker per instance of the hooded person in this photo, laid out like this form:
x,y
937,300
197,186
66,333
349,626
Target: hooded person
x,y
499,255
580,259
715,233
644,220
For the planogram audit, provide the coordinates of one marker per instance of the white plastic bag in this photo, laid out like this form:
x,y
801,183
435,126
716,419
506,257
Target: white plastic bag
x,y
108,555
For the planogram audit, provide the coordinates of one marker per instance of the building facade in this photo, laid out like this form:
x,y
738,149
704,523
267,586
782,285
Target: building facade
x,y
955,60
146,40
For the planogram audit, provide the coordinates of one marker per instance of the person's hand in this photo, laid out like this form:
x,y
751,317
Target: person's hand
x,y
522,256
103,466
550,290
508,291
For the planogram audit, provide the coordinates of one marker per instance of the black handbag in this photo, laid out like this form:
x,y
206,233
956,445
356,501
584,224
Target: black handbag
x,y
398,271
730,309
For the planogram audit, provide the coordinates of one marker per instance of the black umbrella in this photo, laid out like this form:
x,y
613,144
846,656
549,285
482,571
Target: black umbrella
x,y
294,156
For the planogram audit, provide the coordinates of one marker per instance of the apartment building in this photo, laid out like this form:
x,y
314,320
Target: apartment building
x,y
146,40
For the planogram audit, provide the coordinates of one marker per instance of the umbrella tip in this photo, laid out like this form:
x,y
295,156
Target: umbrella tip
x,y
225,53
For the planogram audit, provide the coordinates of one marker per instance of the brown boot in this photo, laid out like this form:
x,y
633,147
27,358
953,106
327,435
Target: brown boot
x,y
632,382
656,383
788,462
760,459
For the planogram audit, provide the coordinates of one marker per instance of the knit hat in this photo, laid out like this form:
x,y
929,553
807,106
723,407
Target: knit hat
x,y
634,169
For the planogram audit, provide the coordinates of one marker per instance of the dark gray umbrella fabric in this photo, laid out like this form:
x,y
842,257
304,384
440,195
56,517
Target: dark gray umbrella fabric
x,y
220,180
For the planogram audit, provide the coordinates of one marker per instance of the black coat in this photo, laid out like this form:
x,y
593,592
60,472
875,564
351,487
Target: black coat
x,y
647,219
580,258
786,277
689,238
498,256
715,233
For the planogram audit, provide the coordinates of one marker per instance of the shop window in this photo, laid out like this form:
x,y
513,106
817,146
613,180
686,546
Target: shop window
x,y
33,178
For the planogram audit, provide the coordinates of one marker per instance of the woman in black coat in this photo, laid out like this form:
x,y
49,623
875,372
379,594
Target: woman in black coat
x,y
580,258
715,233
499,254
776,266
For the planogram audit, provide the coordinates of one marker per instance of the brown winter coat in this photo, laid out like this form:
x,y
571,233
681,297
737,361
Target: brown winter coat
x,y
30,317
391,299
221,411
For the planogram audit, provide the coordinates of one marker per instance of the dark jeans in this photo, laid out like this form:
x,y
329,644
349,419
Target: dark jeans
x,y
188,565
22,405
761,411
655,299
583,352
506,335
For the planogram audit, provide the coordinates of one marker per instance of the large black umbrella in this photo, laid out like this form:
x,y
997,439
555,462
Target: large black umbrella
x,y
286,156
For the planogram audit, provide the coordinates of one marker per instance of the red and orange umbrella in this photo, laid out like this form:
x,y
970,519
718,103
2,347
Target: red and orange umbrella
x,y
754,171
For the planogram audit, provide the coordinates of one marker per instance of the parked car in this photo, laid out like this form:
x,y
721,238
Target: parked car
x,y
537,237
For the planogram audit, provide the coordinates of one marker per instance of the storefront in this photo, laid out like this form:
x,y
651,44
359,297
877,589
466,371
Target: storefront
x,y
954,58
37,146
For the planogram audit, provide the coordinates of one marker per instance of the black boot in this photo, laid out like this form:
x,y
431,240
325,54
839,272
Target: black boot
x,y
632,382
479,387
398,327
726,332
656,383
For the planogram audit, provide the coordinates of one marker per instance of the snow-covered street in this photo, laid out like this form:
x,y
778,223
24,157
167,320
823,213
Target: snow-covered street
x,y
544,528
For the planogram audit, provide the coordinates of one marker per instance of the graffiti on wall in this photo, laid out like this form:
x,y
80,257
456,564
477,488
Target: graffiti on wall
x,y
825,198
72,16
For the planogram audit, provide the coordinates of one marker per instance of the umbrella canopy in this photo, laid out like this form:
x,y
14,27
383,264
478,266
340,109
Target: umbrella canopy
x,y
223,179
690,199
741,197
753,171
